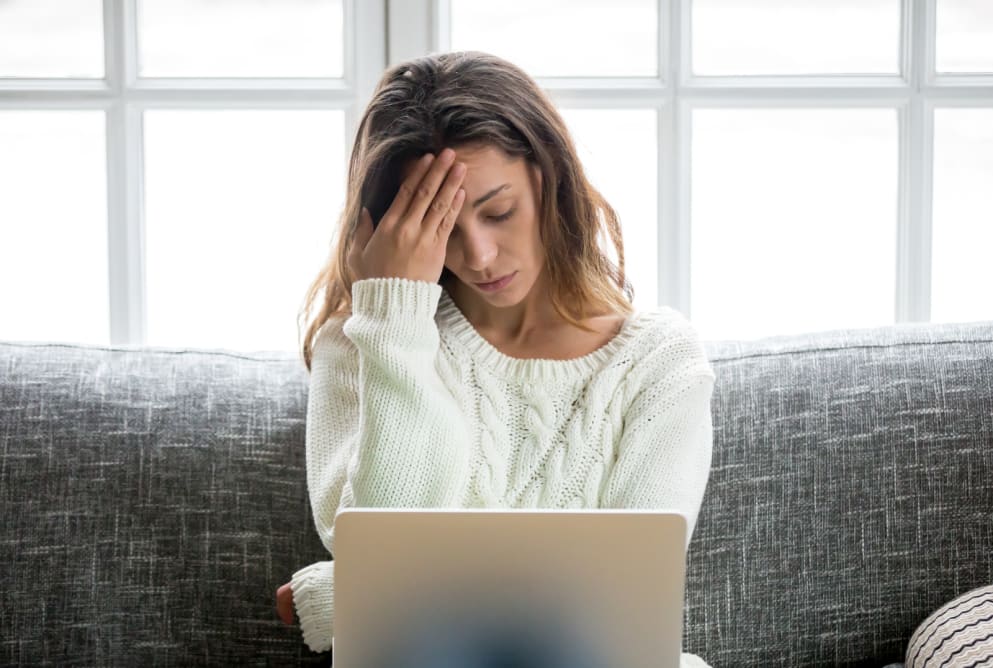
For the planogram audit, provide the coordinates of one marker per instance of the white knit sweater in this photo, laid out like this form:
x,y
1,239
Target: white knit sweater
x,y
409,406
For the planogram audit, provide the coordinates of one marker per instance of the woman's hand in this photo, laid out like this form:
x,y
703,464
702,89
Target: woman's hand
x,y
284,603
410,240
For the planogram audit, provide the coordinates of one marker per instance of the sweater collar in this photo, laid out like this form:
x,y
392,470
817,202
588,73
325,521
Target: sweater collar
x,y
459,332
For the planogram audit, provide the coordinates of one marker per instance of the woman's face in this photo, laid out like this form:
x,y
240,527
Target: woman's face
x,y
496,234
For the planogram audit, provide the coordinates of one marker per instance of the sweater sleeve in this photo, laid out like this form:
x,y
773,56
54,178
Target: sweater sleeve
x,y
382,429
664,454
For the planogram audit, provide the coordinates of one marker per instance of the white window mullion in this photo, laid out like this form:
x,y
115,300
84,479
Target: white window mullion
x,y
676,241
674,238
441,26
913,280
413,28
125,225
124,214
365,58
925,13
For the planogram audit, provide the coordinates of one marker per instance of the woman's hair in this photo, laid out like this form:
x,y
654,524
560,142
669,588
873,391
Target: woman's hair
x,y
450,99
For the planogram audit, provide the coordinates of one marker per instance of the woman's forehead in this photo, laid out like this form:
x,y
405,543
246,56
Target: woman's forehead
x,y
479,158
488,160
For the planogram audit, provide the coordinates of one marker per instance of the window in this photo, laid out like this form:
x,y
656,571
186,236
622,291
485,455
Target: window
x,y
173,170
797,186
767,181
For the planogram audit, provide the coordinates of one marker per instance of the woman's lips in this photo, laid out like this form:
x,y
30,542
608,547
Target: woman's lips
x,y
498,284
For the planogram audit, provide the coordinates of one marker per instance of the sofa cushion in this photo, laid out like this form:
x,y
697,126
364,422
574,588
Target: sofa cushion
x,y
959,633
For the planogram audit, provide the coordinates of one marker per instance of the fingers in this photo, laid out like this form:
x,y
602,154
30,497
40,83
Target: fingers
x,y
420,195
286,614
284,603
407,191
439,208
425,193
448,221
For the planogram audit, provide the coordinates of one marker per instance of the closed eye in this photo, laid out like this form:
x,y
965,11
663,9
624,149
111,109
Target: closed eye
x,y
503,216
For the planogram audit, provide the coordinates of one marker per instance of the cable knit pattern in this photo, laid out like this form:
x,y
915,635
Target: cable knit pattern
x,y
409,406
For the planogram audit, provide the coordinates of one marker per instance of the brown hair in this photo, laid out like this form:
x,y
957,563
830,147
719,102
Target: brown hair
x,y
449,99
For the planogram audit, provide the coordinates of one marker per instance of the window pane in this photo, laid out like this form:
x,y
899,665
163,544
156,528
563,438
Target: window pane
x,y
562,38
965,36
240,209
794,220
51,38
240,38
618,149
53,240
769,37
961,274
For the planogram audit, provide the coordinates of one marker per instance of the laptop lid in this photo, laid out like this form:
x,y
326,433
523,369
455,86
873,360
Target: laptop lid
x,y
508,588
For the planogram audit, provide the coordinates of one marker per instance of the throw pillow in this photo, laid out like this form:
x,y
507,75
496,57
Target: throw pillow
x,y
959,633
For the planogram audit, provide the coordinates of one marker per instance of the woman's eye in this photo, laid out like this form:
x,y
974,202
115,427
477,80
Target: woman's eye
x,y
503,216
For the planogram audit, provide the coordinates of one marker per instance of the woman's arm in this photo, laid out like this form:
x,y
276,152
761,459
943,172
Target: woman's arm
x,y
382,429
664,453
414,440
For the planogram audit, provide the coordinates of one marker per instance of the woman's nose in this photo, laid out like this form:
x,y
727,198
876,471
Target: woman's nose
x,y
479,250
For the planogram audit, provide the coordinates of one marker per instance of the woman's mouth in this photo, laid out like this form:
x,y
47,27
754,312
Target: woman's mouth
x,y
498,284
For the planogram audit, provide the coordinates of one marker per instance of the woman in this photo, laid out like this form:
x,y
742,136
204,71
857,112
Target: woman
x,y
474,327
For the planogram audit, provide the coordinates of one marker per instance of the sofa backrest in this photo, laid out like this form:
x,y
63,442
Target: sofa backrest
x,y
153,502
851,493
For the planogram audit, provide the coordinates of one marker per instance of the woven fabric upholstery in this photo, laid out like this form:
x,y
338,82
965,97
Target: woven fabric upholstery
x,y
851,493
154,499
959,633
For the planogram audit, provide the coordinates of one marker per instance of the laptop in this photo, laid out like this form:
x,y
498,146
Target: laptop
x,y
508,588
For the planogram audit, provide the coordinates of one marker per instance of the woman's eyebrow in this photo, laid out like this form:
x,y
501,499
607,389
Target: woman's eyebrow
x,y
489,195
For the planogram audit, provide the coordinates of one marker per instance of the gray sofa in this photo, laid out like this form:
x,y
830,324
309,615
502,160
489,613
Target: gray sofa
x,y
154,500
